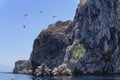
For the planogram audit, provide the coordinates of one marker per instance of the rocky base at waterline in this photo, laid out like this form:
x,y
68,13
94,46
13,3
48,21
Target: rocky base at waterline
x,y
89,44
62,70
43,70
23,67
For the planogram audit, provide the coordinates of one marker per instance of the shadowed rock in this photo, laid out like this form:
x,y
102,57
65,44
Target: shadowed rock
x,y
50,46
23,67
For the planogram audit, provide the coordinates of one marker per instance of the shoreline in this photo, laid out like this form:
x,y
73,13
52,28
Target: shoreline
x,y
73,75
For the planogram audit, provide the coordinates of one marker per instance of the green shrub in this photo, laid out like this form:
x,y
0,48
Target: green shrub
x,y
78,51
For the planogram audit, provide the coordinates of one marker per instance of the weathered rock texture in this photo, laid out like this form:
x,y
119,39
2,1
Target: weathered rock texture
x,y
62,70
42,70
88,44
97,27
23,66
50,46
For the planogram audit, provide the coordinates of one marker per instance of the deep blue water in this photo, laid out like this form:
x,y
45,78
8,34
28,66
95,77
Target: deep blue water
x,y
29,77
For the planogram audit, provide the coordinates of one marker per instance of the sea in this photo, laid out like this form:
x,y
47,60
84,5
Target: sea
x,y
10,76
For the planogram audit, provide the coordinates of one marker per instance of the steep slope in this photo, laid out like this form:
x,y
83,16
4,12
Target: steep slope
x,y
50,46
97,27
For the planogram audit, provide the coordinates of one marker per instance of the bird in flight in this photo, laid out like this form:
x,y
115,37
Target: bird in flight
x,y
25,15
24,26
41,12
53,16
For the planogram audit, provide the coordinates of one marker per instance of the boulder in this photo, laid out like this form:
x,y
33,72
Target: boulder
x,y
42,70
62,70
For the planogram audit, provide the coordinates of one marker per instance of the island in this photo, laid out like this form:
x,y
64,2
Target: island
x,y
89,44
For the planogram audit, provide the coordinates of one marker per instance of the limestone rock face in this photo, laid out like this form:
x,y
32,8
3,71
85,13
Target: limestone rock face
x,y
62,70
23,67
42,70
97,27
50,46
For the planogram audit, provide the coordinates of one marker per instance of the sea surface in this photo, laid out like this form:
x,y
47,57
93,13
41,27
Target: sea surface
x,y
4,76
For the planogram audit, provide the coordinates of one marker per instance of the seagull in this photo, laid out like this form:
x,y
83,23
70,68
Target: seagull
x,y
41,12
53,16
24,26
25,15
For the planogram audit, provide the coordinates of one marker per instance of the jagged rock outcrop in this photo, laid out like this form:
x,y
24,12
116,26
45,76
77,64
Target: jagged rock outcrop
x,y
42,70
23,67
97,27
62,70
50,46
49,49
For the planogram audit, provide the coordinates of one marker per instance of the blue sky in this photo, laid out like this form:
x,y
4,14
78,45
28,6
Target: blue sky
x,y
15,41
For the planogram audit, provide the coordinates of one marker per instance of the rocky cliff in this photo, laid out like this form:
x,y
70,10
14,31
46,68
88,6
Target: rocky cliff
x,y
97,23
89,44
49,47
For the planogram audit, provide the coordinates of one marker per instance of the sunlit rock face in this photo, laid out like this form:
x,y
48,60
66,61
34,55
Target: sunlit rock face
x,y
97,27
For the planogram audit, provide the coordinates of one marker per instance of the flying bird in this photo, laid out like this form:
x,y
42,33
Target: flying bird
x,y
24,26
41,12
53,16
25,15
